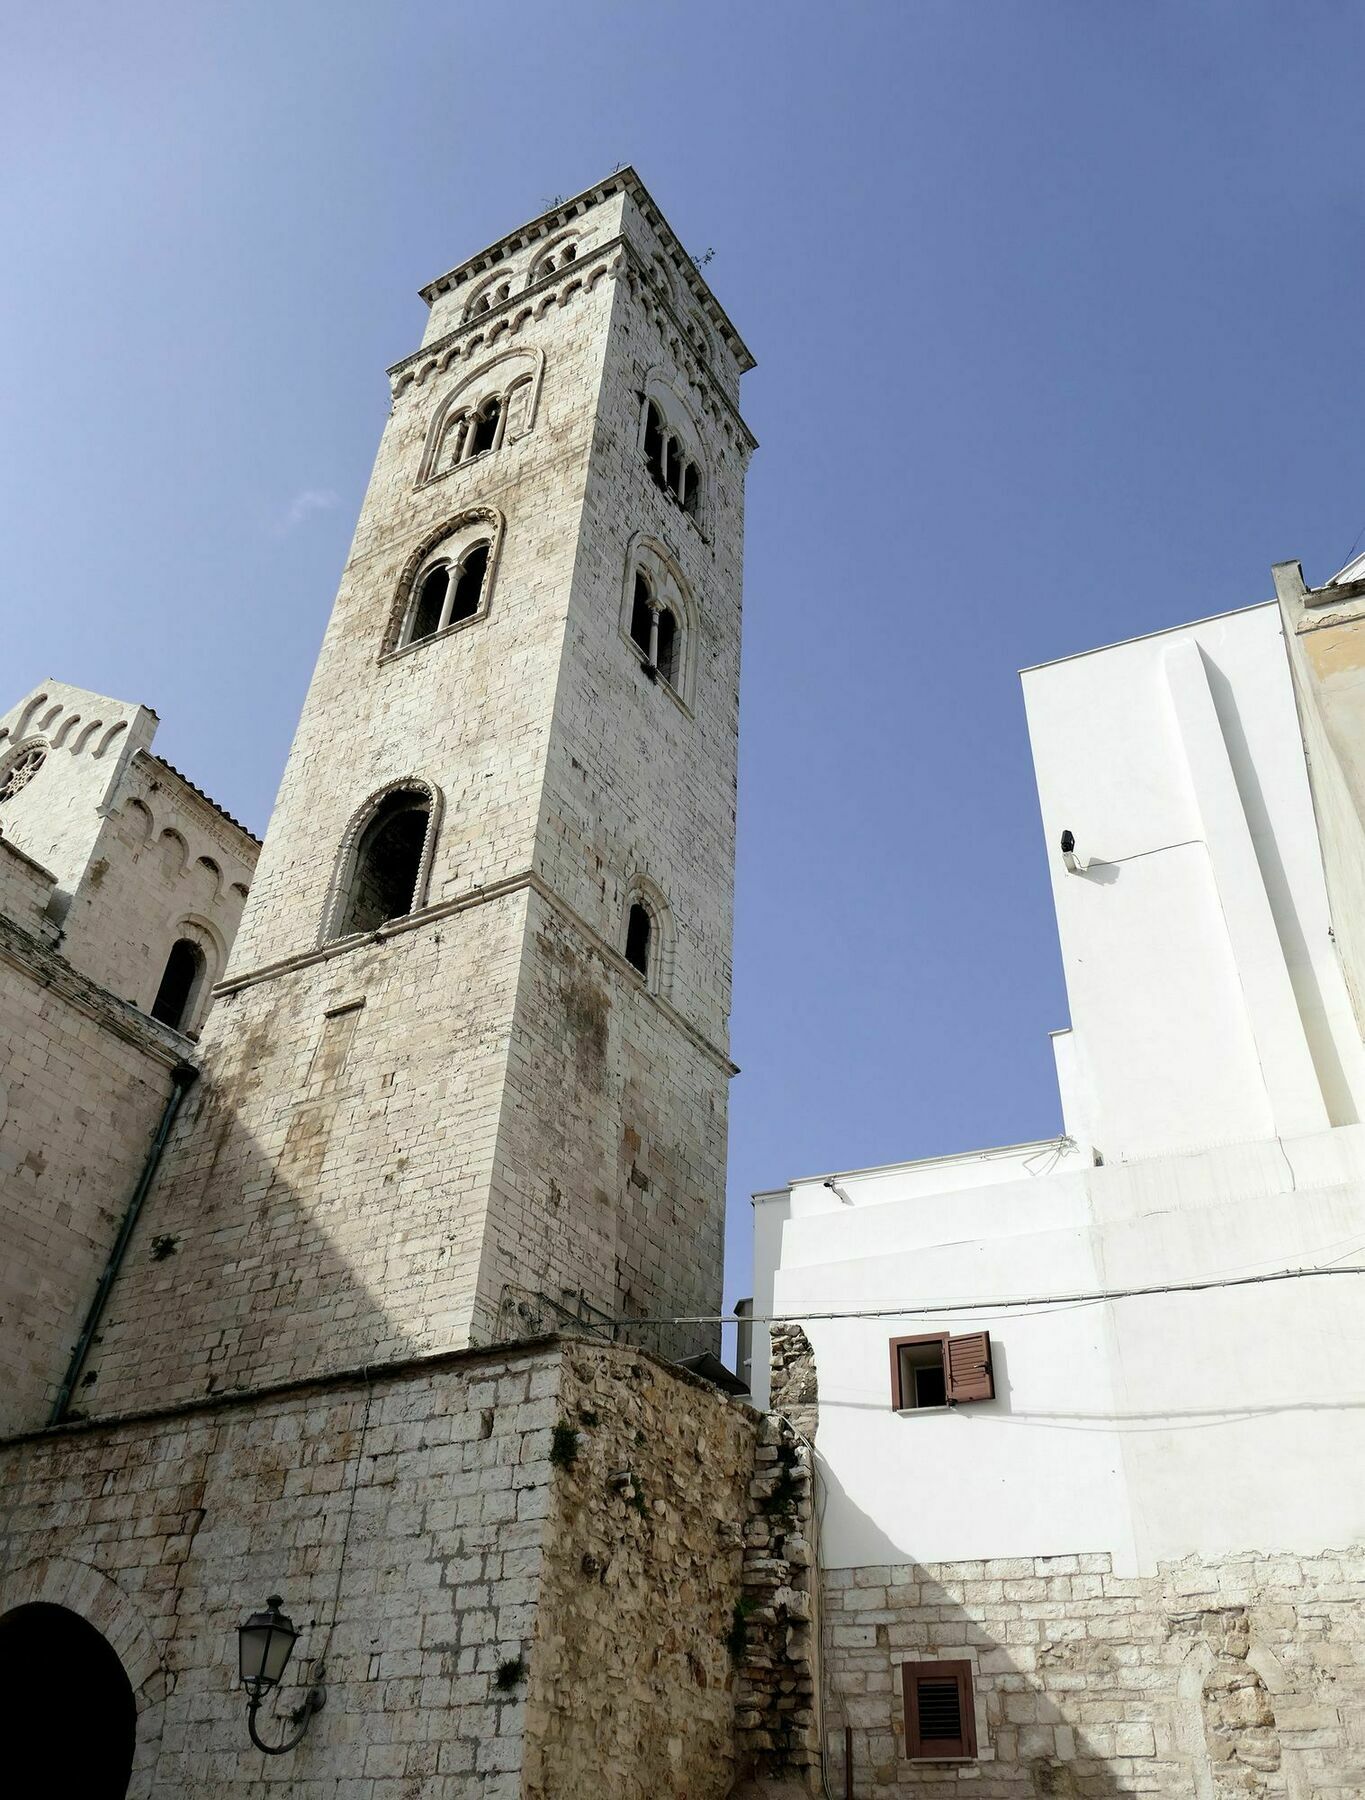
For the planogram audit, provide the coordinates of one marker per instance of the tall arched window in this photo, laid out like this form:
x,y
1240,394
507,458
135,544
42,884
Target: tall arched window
x,y
386,864
639,930
68,1695
175,997
671,467
654,442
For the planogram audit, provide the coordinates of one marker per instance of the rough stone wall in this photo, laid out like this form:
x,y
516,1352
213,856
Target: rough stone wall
x,y
83,1081
402,1523
1240,1677
776,1635
632,1682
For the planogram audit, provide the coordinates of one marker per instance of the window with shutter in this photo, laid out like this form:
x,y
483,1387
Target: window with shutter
x,y
934,1370
940,1714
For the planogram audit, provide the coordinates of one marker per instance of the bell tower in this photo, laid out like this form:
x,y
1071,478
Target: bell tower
x,y
468,1068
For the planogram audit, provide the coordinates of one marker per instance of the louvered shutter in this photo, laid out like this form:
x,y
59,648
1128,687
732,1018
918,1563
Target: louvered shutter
x,y
967,1364
940,1717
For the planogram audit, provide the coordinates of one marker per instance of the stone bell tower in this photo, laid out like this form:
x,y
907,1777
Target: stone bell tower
x,y
470,1052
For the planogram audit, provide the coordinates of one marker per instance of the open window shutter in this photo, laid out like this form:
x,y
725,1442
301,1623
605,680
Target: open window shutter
x,y
967,1364
940,1718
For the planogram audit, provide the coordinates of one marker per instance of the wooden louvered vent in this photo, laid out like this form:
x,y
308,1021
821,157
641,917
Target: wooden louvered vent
x,y
939,1713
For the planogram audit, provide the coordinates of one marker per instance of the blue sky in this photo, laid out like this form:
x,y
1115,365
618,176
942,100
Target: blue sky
x,y
1058,316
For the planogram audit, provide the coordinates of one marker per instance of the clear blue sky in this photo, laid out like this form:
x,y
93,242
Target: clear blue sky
x,y
1058,311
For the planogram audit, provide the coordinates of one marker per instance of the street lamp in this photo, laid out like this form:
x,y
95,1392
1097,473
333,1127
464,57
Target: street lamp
x,y
263,1647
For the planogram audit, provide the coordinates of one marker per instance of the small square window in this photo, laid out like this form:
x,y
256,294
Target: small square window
x,y
940,1710
936,1370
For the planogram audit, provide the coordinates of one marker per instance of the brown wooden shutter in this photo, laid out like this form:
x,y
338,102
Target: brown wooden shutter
x,y
940,1714
967,1365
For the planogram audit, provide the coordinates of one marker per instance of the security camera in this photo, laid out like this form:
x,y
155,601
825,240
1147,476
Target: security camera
x,y
1074,865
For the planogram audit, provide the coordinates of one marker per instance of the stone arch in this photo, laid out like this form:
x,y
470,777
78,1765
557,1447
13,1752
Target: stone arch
x,y
207,942
343,870
651,557
473,515
551,256
214,874
138,820
108,738
175,853
102,1603
515,368
643,891
1207,1727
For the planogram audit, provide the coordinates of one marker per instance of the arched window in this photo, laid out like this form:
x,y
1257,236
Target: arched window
x,y
381,882
642,615
639,930
485,432
667,458
469,580
430,605
666,645
68,1695
179,984
449,592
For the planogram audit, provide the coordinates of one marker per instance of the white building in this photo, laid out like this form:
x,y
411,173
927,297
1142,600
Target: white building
x,y
1130,1537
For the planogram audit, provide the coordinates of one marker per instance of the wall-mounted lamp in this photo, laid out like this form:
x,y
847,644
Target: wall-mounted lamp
x,y
263,1647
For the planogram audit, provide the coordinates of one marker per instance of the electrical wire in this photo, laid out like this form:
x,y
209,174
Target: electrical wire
x,y
995,1302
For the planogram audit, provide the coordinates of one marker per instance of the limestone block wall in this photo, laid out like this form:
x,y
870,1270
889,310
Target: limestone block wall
x,y
166,864
610,1177
83,1081
517,1568
327,1183
25,889
1244,1676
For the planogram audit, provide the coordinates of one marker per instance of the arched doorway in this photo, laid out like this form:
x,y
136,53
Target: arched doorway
x,y
67,1693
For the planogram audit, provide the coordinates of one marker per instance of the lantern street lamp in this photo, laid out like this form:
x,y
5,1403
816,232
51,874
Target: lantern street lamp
x,y
263,1647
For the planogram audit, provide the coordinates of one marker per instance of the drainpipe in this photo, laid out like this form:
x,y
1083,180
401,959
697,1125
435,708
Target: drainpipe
x,y
183,1077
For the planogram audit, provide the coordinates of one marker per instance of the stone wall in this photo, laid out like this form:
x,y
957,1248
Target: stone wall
x,y
519,1569
1204,1681
632,1679
83,1081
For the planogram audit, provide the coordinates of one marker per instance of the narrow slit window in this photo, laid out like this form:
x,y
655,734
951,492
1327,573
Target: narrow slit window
x,y
642,616
940,1712
666,646
639,927
654,442
387,862
469,584
178,983
485,432
431,599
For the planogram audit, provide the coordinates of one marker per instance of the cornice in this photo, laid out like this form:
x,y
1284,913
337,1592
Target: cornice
x,y
477,896
623,180
44,965
204,803
613,259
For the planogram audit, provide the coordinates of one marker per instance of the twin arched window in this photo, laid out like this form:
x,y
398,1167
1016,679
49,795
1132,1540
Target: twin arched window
x,y
447,592
667,461
654,629
475,430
